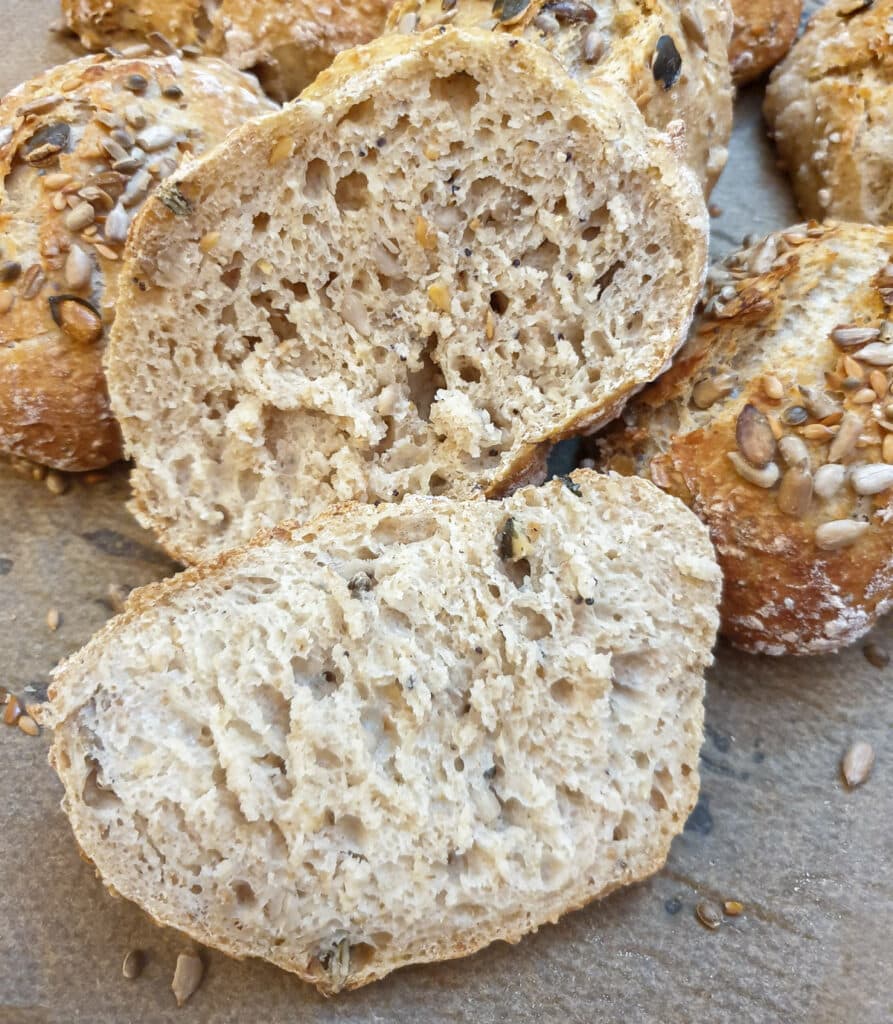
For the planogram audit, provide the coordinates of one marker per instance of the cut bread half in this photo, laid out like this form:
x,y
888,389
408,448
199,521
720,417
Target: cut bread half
x,y
441,259
401,732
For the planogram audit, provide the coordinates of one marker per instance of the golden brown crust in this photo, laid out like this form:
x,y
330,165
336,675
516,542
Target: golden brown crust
x,y
827,106
620,41
53,402
762,33
769,316
287,44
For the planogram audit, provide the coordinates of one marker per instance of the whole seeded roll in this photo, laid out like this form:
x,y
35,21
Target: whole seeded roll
x,y
775,425
828,106
285,44
762,33
671,58
81,146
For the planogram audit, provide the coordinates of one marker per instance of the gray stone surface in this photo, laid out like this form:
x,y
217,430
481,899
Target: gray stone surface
x,y
774,828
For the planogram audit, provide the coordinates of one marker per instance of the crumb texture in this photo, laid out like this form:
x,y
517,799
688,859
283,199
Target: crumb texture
x,y
446,255
400,733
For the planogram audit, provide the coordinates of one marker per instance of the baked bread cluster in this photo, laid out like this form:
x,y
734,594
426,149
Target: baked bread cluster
x,y
670,58
775,425
81,147
285,44
828,109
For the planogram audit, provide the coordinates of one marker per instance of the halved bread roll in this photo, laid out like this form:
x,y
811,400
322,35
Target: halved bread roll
x,y
444,257
400,733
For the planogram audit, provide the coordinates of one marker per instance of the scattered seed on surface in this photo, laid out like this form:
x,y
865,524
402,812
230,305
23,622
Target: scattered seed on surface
x,y
872,479
794,415
851,335
709,915
845,440
116,224
187,976
53,619
876,354
828,480
594,46
795,492
857,763
155,137
818,403
53,182
766,476
136,83
56,483
793,450
172,92
13,710
773,388
80,216
879,383
133,964
839,533
876,655
33,281
28,726
754,436
864,396
887,448
78,268
817,432
733,908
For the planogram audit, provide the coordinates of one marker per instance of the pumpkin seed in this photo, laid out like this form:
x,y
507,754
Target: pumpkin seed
x,y
754,436
839,533
767,476
852,336
848,433
795,492
667,64
871,479
828,480
857,763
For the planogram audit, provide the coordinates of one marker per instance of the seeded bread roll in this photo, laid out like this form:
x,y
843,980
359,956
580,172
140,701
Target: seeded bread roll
x,y
448,256
399,733
828,106
673,64
80,147
776,426
285,44
762,33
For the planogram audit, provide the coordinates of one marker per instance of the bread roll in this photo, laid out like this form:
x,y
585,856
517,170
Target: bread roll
x,y
400,733
285,44
762,33
828,106
444,257
80,147
672,61
776,426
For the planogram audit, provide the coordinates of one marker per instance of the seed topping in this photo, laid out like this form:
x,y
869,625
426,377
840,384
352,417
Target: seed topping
x,y
667,64
857,763
77,318
754,436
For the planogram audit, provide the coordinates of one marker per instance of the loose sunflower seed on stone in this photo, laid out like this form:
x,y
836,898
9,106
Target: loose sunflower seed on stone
x,y
187,976
839,533
847,336
871,479
754,437
709,915
795,492
766,476
857,763
828,480
844,442
133,964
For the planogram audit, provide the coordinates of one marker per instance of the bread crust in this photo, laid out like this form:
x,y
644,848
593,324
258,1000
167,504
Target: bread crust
x,y
75,684
770,311
53,400
338,89
762,33
286,44
618,41
827,106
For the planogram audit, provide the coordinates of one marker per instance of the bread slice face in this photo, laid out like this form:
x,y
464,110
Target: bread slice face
x,y
398,733
441,259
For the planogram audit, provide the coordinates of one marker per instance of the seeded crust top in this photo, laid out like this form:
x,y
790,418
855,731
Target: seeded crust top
x,y
775,425
670,58
80,148
828,106
285,44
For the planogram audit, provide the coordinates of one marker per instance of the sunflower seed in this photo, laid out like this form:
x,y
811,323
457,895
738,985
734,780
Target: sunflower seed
x,y
133,964
53,182
53,619
818,403
844,443
171,197
871,479
851,336
794,415
510,11
857,763
47,141
667,64
794,451
39,105
839,533
97,197
187,976
594,46
709,915
80,216
116,224
876,354
134,116
795,492
547,23
754,436
113,149
137,188
136,50
767,476
361,583
710,389
876,655
155,137
828,480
